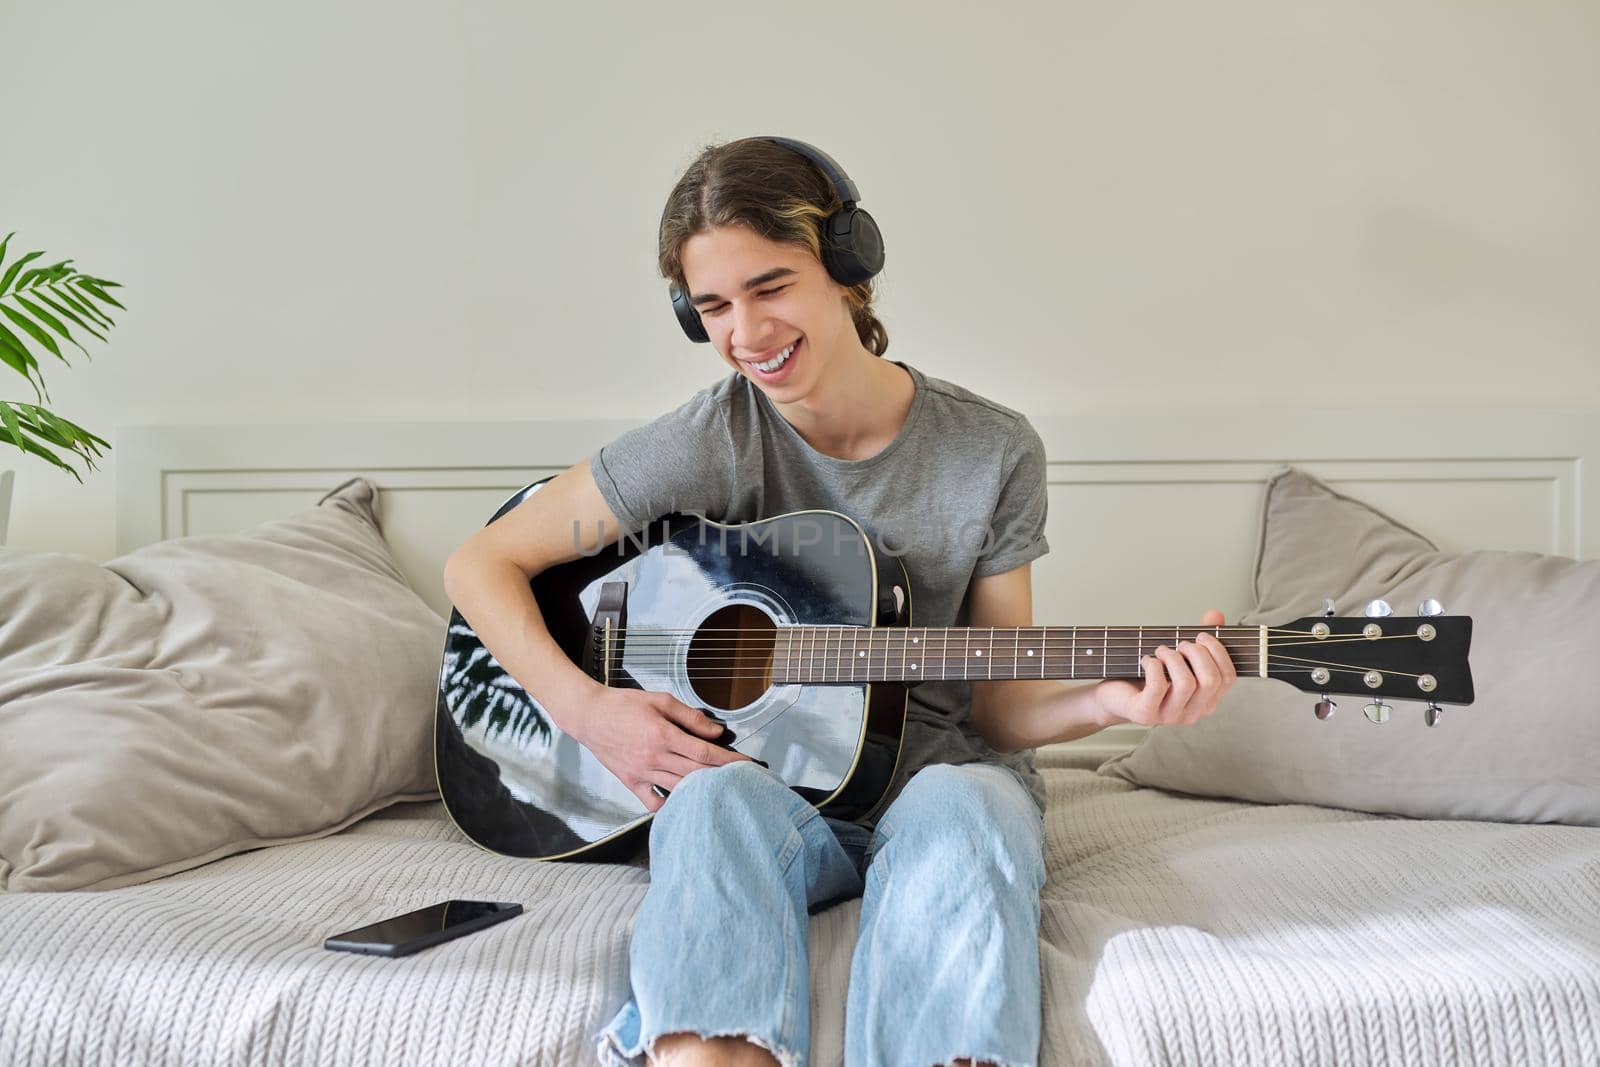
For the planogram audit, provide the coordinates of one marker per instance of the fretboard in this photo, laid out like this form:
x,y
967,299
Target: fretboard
x,y
810,654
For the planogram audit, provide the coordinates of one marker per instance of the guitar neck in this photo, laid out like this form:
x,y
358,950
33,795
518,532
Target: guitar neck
x,y
808,654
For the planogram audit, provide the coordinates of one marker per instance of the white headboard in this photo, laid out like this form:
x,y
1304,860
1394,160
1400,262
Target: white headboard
x,y
1152,517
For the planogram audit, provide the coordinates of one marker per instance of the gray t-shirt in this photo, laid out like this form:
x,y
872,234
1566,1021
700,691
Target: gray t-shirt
x,y
959,493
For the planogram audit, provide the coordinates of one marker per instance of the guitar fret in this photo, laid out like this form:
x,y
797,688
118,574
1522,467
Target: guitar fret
x,y
1105,651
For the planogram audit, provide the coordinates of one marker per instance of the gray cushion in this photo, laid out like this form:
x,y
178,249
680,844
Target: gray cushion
x,y
206,695
1526,750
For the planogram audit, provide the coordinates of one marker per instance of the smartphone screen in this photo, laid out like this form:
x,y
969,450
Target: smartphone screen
x,y
420,929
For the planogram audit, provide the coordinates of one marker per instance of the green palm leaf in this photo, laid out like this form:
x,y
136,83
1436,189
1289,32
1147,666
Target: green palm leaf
x,y
69,313
77,301
51,321
31,301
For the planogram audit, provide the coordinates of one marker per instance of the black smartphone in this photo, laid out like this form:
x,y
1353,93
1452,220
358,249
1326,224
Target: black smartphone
x,y
423,928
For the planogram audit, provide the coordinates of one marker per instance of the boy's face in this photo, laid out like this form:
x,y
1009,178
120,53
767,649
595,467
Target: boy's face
x,y
797,302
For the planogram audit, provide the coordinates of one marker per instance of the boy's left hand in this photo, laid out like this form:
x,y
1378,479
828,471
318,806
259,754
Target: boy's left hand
x,y
1179,685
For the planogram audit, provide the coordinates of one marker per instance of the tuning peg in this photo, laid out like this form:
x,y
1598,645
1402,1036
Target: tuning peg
x,y
1325,707
1430,607
1378,609
1432,714
1327,607
1378,712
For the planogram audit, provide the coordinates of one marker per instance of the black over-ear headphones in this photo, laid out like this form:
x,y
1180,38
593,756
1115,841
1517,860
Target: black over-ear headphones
x,y
852,246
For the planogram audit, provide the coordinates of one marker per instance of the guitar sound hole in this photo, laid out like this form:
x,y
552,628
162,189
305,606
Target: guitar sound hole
x,y
730,656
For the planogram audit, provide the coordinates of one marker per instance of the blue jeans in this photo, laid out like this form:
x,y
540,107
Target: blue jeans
x,y
946,963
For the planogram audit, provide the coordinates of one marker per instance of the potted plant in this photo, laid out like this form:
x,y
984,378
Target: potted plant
x,y
37,305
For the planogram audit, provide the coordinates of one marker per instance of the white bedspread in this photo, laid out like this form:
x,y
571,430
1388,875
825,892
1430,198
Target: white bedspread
x,y
1175,930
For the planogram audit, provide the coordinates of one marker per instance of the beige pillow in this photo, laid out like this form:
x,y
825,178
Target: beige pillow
x,y
207,695
1526,750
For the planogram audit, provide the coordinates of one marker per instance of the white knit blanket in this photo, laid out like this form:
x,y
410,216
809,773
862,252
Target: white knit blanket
x,y
1175,930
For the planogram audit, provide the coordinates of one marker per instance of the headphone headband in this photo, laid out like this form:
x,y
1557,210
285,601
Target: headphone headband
x,y
852,246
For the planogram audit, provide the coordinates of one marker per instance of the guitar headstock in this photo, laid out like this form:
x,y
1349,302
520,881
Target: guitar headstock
x,y
1420,657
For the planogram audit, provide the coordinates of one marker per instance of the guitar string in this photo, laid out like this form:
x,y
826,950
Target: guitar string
x,y
848,628
1011,660
997,648
767,678
874,641
743,650
822,661
875,635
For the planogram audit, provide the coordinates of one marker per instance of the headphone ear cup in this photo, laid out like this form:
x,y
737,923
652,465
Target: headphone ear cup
x,y
688,317
855,247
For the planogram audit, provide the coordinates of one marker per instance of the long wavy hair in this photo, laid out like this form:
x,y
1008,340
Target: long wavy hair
x,y
773,191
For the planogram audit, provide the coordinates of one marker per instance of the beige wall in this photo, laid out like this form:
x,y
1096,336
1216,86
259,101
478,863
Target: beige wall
x,y
394,211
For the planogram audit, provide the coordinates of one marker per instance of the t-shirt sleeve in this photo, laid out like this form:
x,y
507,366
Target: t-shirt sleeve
x,y
1017,527
681,461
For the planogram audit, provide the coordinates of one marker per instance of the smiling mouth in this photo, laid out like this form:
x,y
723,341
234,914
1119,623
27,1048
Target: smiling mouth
x,y
770,365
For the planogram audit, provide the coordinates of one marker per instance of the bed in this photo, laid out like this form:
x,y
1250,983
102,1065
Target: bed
x,y
1175,928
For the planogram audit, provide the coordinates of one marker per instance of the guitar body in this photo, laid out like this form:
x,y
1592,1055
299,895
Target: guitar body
x,y
688,607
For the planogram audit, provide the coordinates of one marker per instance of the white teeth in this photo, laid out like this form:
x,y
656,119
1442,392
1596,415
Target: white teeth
x,y
776,361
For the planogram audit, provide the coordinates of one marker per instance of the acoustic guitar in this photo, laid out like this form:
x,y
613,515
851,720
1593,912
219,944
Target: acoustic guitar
x,y
796,634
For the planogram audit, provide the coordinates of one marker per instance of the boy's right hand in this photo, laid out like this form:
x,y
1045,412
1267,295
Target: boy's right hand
x,y
647,738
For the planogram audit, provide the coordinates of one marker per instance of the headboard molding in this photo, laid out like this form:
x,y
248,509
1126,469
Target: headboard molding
x,y
1152,516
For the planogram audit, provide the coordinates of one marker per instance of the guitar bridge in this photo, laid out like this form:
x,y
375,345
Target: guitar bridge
x,y
602,648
